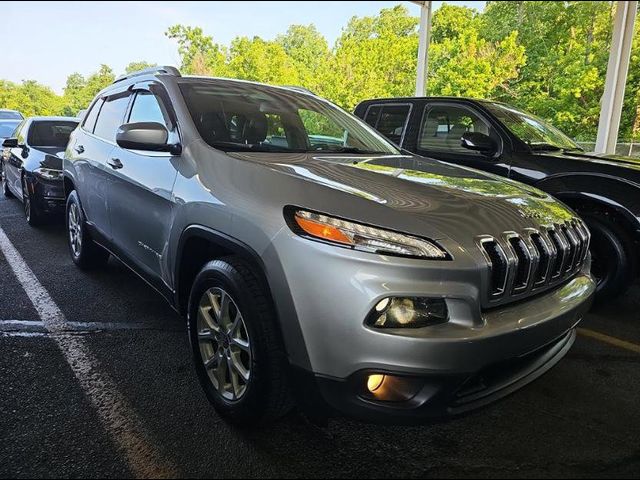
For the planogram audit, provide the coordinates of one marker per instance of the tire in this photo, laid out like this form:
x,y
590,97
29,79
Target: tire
x,y
85,253
613,258
265,396
5,186
31,213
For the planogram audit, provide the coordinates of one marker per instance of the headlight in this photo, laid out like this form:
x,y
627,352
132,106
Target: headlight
x,y
48,173
362,237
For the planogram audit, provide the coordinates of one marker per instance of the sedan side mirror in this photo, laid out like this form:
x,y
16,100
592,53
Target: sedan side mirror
x,y
150,136
10,143
479,142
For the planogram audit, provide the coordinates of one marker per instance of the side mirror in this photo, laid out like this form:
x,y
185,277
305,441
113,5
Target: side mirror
x,y
478,142
150,136
10,143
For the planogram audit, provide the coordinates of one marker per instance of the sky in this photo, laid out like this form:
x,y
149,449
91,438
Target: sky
x,y
54,39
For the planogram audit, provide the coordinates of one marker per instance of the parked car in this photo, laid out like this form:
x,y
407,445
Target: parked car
x,y
31,165
6,114
603,189
350,276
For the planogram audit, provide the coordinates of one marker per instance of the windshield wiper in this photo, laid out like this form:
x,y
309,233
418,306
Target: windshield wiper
x,y
251,147
573,149
348,150
543,147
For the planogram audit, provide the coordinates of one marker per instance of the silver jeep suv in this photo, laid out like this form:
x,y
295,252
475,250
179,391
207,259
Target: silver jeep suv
x,y
314,261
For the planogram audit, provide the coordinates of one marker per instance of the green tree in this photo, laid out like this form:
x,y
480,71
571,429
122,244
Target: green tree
x,y
136,66
309,54
199,53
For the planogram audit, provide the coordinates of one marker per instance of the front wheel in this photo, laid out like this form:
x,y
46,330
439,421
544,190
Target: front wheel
x,y
31,213
85,253
612,254
5,185
237,349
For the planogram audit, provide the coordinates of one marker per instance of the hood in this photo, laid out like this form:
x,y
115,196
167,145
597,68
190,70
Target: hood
x,y
599,158
51,157
428,197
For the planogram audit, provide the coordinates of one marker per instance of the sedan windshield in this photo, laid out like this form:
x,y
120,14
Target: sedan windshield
x,y
7,127
534,131
247,117
10,115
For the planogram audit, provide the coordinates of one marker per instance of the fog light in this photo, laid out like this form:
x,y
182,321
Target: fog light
x,y
374,382
390,388
408,312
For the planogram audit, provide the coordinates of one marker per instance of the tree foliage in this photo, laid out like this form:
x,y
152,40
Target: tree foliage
x,y
547,57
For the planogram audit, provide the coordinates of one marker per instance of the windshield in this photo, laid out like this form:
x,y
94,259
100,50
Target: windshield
x,y
50,133
238,116
7,127
534,131
10,114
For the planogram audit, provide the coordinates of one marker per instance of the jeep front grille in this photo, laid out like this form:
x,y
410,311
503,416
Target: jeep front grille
x,y
533,260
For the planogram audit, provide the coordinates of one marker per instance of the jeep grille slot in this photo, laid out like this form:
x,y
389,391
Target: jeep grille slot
x,y
497,266
543,259
523,265
560,246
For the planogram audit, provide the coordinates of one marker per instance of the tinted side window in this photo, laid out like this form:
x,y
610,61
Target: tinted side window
x,y
50,133
392,121
90,118
146,108
111,117
443,126
372,114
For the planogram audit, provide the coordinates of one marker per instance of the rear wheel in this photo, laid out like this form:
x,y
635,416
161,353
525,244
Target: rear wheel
x,y
238,353
85,253
5,185
613,258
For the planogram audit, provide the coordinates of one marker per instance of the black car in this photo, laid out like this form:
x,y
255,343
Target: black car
x,y
497,138
31,165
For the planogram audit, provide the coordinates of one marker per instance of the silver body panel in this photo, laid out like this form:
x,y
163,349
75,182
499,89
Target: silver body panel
x,y
323,293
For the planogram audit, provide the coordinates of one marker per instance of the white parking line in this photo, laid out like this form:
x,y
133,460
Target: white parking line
x,y
122,423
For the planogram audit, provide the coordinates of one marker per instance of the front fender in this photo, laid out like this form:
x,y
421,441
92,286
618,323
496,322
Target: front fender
x,y
618,194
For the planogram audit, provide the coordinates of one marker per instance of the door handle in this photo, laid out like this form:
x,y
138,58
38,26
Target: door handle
x,y
115,163
79,149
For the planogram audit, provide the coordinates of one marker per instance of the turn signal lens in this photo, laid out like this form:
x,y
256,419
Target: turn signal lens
x,y
374,382
320,230
362,237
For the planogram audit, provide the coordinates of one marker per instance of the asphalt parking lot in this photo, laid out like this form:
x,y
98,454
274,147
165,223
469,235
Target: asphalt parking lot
x,y
97,381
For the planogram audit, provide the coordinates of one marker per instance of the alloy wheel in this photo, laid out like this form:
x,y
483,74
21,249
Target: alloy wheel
x,y
224,344
75,230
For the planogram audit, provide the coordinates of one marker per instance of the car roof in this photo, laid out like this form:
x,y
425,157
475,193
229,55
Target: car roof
x,y
409,99
54,119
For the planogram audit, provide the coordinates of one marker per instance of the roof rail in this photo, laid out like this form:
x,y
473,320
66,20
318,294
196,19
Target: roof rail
x,y
166,70
296,88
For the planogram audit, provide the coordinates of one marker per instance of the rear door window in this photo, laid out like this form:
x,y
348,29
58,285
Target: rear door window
x,y
111,116
90,118
389,120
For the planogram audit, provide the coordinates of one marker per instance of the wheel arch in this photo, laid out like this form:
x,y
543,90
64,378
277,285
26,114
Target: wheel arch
x,y
198,245
598,193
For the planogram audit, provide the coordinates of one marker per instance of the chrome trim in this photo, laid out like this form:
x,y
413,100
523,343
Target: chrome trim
x,y
565,246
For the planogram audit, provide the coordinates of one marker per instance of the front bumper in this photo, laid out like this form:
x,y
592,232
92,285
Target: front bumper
x,y
475,358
